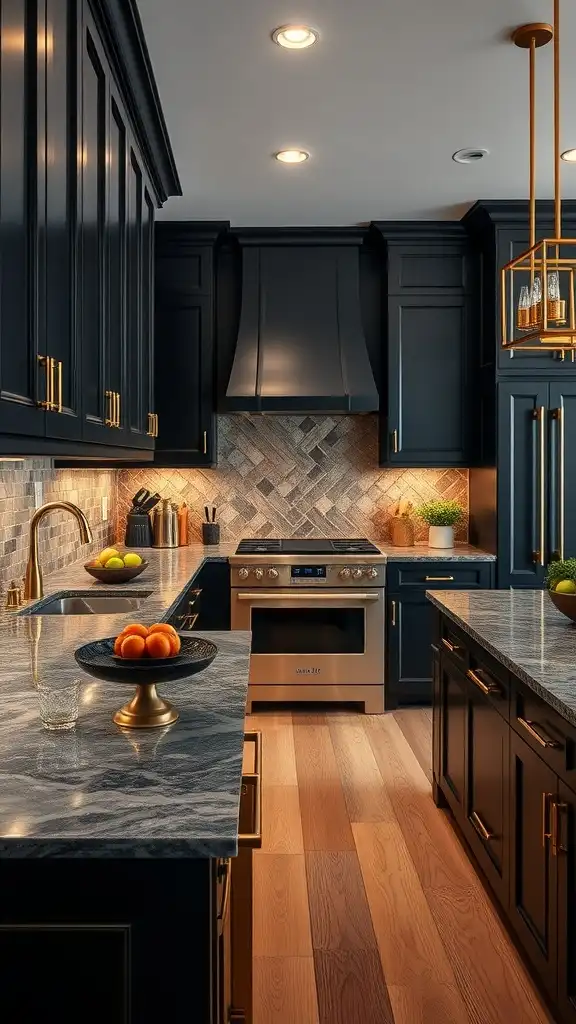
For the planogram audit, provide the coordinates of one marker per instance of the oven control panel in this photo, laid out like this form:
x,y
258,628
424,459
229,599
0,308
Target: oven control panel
x,y
308,575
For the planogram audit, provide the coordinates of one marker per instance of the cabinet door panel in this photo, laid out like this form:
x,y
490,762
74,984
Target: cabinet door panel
x,y
562,474
520,505
58,263
184,382
409,678
147,323
134,293
566,840
533,867
22,381
115,341
93,291
454,697
487,790
428,401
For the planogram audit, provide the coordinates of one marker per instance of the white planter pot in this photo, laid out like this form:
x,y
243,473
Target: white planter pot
x,y
441,536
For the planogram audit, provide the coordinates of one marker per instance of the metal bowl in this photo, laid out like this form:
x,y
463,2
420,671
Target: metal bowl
x,y
116,575
146,710
565,603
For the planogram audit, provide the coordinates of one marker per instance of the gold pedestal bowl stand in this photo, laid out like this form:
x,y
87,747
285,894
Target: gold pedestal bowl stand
x,y
147,709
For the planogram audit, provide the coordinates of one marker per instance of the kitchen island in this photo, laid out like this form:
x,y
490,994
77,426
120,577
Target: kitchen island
x,y
504,764
115,844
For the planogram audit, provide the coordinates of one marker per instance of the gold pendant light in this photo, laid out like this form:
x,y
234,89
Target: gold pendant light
x,y
538,287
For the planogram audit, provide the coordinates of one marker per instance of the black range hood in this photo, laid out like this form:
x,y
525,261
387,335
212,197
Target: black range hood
x,y
301,345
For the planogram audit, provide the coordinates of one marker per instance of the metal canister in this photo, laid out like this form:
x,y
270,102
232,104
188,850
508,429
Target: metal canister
x,y
165,527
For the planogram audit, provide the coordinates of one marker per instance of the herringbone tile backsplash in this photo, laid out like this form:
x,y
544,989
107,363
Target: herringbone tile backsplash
x,y
297,476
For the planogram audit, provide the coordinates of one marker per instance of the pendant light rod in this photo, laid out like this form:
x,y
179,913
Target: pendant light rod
x,y
557,161
531,37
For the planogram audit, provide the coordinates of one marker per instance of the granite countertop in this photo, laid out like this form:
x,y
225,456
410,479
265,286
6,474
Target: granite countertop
x,y
424,553
98,791
524,631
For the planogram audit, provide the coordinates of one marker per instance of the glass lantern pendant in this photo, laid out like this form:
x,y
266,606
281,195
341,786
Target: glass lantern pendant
x,y
535,313
523,311
556,305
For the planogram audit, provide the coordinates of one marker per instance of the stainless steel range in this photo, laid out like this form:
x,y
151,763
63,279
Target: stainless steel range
x,y
316,609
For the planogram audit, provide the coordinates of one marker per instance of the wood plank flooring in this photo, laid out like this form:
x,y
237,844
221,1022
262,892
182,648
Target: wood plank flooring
x,y
366,908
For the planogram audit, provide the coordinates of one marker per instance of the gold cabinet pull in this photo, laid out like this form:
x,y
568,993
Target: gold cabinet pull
x,y
48,363
545,834
59,385
205,442
118,414
558,807
109,421
480,827
558,415
449,645
254,780
150,431
395,446
225,871
540,738
156,427
484,687
393,612
437,579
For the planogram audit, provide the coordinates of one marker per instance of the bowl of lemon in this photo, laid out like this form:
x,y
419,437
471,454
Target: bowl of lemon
x,y
561,584
112,566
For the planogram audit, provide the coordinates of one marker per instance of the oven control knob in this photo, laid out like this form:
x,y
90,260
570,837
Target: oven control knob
x,y
372,573
259,573
243,573
358,574
272,574
345,574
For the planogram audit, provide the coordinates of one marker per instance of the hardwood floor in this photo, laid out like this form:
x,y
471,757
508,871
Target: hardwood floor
x,y
367,910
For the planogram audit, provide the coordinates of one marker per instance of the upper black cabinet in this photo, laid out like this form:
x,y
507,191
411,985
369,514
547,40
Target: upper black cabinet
x,y
84,162
500,229
431,284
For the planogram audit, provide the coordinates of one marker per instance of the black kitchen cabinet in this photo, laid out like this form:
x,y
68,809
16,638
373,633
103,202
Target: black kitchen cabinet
x,y
410,621
536,489
500,230
502,761
206,603
433,303
85,160
533,904
566,867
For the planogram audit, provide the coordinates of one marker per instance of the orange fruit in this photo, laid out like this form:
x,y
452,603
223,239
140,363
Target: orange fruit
x,y
133,647
162,627
175,643
118,643
158,645
136,629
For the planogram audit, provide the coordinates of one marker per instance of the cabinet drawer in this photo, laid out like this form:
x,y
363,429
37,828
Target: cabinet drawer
x,y
439,575
545,731
490,678
453,644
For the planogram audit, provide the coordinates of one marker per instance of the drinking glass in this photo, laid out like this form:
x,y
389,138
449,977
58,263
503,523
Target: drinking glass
x,y
59,706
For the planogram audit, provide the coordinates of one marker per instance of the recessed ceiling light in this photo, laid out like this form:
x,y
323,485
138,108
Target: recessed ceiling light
x,y
292,156
295,37
569,155
470,156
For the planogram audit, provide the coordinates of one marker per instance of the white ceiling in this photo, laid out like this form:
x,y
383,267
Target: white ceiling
x,y
392,89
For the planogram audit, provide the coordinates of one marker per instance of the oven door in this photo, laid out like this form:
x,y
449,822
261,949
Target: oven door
x,y
331,637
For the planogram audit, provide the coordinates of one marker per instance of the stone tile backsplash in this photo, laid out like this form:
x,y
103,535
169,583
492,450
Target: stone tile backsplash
x,y
59,540
302,476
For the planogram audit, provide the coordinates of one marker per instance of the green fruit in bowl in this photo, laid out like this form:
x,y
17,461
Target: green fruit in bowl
x,y
131,560
114,563
566,587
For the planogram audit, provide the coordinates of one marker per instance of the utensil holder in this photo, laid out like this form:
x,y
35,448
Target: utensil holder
x,y
210,533
401,532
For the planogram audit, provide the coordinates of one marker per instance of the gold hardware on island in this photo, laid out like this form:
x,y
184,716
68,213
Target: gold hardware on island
x,y
538,287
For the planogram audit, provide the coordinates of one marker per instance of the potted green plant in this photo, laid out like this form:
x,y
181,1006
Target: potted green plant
x,y
441,517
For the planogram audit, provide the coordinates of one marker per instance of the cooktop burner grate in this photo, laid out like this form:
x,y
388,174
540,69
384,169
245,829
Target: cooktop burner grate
x,y
294,546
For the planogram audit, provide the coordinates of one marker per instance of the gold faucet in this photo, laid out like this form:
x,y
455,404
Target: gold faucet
x,y
33,588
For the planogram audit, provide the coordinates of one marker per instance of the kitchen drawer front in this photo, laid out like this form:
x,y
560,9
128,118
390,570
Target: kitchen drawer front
x,y
454,644
490,678
439,576
545,731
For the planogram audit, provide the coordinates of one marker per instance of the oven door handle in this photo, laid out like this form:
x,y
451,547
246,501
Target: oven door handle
x,y
345,596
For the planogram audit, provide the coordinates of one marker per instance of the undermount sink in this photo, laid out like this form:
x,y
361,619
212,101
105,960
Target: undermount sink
x,y
86,603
